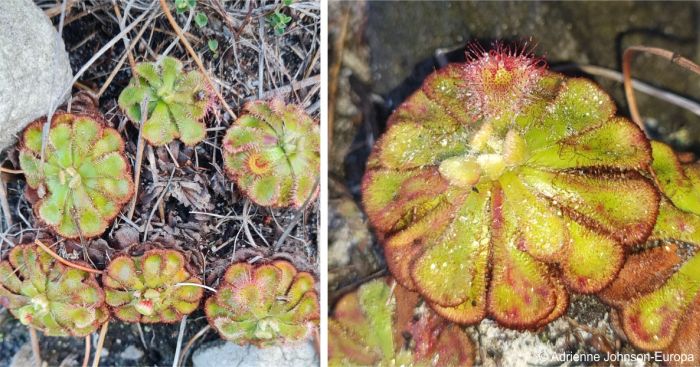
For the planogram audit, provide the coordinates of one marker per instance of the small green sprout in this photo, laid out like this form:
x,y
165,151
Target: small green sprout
x,y
264,305
213,46
50,296
201,20
279,21
149,289
177,102
272,151
182,5
85,178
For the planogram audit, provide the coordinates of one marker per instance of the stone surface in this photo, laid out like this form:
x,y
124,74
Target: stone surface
x,y
410,40
23,357
131,353
34,70
228,354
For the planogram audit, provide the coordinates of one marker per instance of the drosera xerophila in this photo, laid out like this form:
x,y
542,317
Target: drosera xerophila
x,y
500,186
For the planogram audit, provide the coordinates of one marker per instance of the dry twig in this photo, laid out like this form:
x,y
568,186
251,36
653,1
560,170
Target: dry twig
x,y
64,261
100,344
627,73
36,351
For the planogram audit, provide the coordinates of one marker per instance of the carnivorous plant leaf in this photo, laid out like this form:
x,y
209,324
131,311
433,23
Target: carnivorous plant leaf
x,y
495,173
50,296
85,178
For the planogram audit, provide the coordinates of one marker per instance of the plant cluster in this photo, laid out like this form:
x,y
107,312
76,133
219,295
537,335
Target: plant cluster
x,y
272,152
49,296
500,186
83,180
149,289
374,327
660,309
176,102
264,305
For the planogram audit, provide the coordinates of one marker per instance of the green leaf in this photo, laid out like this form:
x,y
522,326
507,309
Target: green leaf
x,y
366,322
213,44
201,20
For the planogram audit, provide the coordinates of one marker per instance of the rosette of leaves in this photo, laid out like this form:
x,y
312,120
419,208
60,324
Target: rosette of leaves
x,y
657,292
47,295
499,184
85,178
177,102
369,327
264,305
272,152
148,289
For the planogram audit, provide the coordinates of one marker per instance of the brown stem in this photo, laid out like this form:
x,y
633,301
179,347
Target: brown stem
x,y
86,359
139,158
11,171
132,62
100,344
4,205
627,73
64,261
35,346
194,55
189,344
118,67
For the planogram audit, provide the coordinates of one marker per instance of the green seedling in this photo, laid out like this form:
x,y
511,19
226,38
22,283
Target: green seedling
x,y
176,101
213,45
201,20
264,305
272,152
279,21
85,178
183,5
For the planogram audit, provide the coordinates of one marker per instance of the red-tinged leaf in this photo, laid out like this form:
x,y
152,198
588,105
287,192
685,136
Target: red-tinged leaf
x,y
86,175
275,302
144,288
569,178
51,297
273,153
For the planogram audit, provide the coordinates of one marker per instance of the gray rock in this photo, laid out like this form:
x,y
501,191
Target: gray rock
x,y
23,357
403,37
34,70
220,353
515,348
131,353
